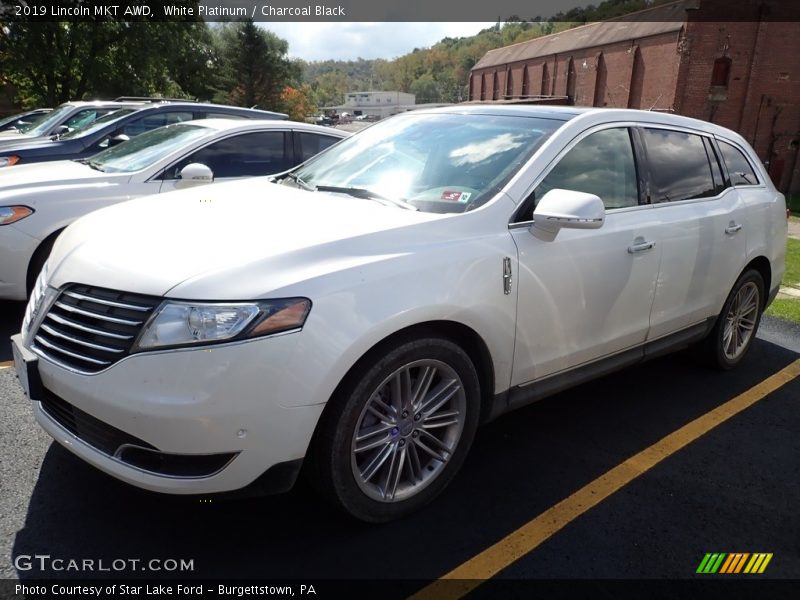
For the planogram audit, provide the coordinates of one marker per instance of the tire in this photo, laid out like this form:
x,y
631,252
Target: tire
x,y
378,454
737,323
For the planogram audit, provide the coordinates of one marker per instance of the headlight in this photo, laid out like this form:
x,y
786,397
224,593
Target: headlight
x,y
12,214
7,161
182,323
34,302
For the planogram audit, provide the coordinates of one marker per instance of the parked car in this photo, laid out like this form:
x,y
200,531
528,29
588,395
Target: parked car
x,y
38,201
362,315
23,120
65,118
118,127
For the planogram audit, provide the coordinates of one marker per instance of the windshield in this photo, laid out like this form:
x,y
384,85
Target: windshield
x,y
147,148
436,162
51,119
97,124
29,119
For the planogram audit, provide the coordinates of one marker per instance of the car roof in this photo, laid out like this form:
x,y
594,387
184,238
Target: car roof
x,y
226,124
567,113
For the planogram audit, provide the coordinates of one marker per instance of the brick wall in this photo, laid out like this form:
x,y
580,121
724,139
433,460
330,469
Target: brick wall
x,y
762,97
673,72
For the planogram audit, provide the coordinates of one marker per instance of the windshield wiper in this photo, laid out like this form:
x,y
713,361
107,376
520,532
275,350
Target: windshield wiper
x,y
300,183
93,165
366,194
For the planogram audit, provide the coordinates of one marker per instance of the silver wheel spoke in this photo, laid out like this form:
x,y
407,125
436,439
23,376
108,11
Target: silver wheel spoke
x,y
442,394
437,455
443,419
377,462
376,403
423,385
414,465
393,474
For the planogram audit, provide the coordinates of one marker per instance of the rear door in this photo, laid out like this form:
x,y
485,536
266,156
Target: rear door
x,y
701,228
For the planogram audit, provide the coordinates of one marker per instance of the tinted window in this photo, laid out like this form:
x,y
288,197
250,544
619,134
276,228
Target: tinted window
x,y
716,170
152,121
679,166
250,154
600,164
314,143
739,170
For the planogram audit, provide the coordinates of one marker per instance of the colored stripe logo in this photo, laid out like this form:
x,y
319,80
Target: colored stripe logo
x,y
734,562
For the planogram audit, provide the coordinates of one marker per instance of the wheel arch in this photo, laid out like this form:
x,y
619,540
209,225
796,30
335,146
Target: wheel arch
x,y
762,265
462,335
46,245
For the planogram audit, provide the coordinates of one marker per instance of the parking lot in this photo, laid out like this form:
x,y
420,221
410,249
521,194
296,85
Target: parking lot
x,y
733,489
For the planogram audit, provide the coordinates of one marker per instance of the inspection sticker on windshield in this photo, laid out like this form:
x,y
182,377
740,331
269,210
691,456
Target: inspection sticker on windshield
x,y
456,196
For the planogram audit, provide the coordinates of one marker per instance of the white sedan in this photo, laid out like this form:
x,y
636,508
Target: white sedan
x,y
38,201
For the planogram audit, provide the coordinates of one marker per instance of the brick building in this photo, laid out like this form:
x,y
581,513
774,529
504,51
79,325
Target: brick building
x,y
742,73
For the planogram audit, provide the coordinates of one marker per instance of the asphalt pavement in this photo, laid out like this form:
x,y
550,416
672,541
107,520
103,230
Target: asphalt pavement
x,y
735,489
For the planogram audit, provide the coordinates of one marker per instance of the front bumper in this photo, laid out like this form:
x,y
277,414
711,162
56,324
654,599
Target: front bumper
x,y
237,399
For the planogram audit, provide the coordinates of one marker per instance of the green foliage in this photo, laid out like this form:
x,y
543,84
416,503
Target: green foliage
x,y
253,66
789,308
50,63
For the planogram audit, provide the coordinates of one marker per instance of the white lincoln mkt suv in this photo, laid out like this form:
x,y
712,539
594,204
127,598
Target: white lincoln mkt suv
x,y
360,315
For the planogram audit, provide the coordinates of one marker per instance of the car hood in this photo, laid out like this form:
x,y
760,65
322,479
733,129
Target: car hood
x,y
34,178
242,239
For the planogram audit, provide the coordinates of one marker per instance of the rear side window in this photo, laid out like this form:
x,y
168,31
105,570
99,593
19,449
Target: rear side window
x,y
739,170
601,164
314,143
679,166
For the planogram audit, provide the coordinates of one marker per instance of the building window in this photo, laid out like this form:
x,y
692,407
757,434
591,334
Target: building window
x,y
545,80
721,72
509,83
526,82
495,87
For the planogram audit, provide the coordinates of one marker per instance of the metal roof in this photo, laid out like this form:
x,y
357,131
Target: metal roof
x,y
653,21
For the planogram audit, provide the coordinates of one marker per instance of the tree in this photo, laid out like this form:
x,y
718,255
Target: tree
x,y
254,66
296,103
52,62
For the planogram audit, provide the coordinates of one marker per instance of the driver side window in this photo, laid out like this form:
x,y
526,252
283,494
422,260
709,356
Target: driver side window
x,y
602,164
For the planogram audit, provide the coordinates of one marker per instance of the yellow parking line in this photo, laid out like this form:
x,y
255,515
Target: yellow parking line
x,y
469,575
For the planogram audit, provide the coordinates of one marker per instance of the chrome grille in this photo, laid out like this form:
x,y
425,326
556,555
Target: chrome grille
x,y
89,328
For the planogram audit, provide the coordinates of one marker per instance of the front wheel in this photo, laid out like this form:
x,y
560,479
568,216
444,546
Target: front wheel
x,y
392,441
736,326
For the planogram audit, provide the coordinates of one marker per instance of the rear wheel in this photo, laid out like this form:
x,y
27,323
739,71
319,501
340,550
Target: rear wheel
x,y
393,441
733,334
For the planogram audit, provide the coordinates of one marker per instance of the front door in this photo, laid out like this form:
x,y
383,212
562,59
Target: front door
x,y
587,293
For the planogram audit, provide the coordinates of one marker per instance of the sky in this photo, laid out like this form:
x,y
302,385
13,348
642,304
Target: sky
x,y
349,41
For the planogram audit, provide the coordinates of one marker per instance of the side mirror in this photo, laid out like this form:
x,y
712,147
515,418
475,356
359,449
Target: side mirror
x,y
569,210
196,173
60,129
117,139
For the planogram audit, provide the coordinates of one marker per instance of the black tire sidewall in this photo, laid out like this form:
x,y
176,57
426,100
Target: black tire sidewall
x,y
333,449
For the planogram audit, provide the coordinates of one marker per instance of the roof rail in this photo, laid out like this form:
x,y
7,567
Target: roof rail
x,y
151,99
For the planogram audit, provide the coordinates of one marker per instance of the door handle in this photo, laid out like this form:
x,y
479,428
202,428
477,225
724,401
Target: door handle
x,y
640,246
733,228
